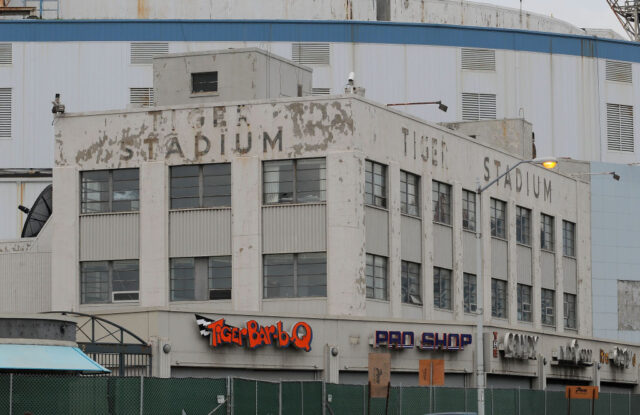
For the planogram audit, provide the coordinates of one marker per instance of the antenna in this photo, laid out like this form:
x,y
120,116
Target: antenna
x,y
627,13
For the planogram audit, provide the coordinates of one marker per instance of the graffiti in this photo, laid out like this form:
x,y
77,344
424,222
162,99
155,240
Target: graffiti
x,y
528,183
254,335
428,340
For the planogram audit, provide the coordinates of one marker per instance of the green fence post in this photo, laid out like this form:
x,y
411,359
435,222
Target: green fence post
x,y
11,394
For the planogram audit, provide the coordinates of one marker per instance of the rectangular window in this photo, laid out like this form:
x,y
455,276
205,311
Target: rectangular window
x,y
182,279
109,191
295,275
546,232
570,311
620,136
523,225
219,278
569,238
200,279
524,302
5,112
109,281
409,194
470,293
410,276
200,186
468,210
548,307
204,82
375,190
294,181
441,199
376,276
498,298
442,288
498,218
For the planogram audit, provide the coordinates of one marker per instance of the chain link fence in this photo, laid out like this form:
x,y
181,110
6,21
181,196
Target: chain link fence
x,y
52,395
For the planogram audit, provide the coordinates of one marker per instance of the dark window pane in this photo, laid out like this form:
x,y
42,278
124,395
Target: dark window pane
x,y
185,187
278,276
204,82
220,278
278,181
94,282
94,192
216,185
182,275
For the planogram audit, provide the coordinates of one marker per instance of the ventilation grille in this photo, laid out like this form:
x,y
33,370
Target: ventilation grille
x,y
477,107
619,71
620,127
310,53
144,52
320,91
6,54
141,97
479,59
5,112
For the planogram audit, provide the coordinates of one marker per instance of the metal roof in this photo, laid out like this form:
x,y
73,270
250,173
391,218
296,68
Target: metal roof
x,y
46,358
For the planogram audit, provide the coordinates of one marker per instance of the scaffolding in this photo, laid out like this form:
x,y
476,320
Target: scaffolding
x,y
627,13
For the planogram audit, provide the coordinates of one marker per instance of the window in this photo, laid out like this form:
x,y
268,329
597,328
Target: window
x,y
410,277
479,59
441,288
409,194
441,198
200,186
569,238
620,136
468,210
470,293
524,302
109,281
523,225
294,181
375,190
311,53
200,279
498,218
546,232
570,311
498,298
204,82
295,275
548,306
376,275
477,107
109,191
5,112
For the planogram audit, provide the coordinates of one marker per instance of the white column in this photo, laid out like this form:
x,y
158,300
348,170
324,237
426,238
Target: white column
x,y
154,234
427,243
65,244
458,272
395,283
584,313
486,254
536,277
512,268
559,269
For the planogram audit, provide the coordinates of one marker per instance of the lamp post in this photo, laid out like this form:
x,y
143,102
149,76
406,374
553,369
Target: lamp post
x,y
547,163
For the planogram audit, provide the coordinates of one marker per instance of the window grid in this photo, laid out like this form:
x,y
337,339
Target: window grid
x,y
375,192
470,293
442,288
409,194
294,181
523,225
204,82
441,198
468,210
498,298
524,302
109,281
546,232
548,307
410,279
103,191
376,276
200,186
182,279
570,302
498,218
569,238
219,278
295,275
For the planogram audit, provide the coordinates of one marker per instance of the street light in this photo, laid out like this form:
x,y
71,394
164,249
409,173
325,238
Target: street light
x,y
547,163
440,105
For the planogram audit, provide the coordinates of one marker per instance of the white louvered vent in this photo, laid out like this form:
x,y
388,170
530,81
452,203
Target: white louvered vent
x,y
619,71
141,97
5,112
310,53
320,91
477,107
620,127
6,54
144,52
479,59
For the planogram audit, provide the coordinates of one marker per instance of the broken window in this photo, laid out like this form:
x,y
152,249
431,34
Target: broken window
x,y
410,276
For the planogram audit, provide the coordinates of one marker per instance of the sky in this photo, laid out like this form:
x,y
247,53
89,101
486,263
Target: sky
x,y
581,13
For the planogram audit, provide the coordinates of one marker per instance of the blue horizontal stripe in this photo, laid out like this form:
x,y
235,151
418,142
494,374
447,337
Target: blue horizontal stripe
x,y
315,31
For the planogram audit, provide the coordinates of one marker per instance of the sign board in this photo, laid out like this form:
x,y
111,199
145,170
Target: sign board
x,y
427,341
379,374
431,372
581,392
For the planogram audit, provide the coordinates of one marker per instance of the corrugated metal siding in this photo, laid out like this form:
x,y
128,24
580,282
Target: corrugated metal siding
x,y
294,228
524,264
469,253
570,278
111,236
25,279
376,223
201,232
548,270
499,256
442,246
411,243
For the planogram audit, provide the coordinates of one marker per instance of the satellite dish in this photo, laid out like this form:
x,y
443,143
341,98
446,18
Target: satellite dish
x,y
38,214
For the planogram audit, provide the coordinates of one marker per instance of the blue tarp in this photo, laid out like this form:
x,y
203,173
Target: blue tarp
x,y
46,358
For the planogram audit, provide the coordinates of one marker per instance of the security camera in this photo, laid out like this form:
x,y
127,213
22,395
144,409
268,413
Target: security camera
x,y
58,107
352,77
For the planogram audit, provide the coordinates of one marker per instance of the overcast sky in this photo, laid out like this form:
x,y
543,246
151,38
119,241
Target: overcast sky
x,y
581,13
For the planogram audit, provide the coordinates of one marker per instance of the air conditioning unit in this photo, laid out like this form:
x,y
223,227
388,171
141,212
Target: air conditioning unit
x,y
124,296
219,294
